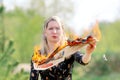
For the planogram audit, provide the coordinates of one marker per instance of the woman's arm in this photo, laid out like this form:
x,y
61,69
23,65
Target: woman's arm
x,y
84,59
90,48
78,58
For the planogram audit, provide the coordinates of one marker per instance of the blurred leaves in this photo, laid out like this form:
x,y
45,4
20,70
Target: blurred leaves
x,y
46,8
6,51
26,32
1,9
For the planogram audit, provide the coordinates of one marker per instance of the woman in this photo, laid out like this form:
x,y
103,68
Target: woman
x,y
53,36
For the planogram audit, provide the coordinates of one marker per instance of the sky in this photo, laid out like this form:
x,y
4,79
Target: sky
x,y
86,11
10,4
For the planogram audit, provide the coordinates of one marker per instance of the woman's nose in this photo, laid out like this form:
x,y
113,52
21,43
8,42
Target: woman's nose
x,y
54,30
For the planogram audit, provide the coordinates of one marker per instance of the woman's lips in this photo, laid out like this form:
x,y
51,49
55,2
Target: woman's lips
x,y
54,37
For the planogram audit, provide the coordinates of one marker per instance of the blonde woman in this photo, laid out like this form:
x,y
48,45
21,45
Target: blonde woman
x,y
53,36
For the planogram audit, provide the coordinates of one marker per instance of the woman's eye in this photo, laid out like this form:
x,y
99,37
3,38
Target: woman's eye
x,y
50,28
58,28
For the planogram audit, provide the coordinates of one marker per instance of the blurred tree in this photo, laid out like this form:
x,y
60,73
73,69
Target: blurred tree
x,y
2,33
26,31
62,8
6,48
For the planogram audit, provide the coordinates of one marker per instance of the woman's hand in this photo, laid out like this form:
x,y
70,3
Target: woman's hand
x,y
90,48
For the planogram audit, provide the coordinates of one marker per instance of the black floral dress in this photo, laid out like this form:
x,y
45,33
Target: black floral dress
x,y
63,71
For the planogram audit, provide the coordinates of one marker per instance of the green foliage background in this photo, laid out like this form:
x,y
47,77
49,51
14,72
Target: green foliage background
x,y
23,31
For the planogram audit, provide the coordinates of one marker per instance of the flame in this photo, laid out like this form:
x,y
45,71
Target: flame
x,y
96,31
86,32
72,36
37,56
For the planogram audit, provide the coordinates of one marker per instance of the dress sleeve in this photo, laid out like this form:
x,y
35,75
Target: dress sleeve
x,y
78,57
34,74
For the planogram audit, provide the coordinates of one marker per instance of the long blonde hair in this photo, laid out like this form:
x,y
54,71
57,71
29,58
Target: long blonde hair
x,y
44,49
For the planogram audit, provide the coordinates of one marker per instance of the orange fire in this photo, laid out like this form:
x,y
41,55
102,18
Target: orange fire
x,y
37,56
96,31
40,58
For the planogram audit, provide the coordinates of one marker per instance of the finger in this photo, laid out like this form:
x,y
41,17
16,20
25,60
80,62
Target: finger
x,y
92,46
93,43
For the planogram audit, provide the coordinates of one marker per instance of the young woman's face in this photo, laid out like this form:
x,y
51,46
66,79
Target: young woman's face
x,y
53,32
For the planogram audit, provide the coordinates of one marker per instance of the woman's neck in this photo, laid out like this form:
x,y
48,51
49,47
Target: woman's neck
x,y
52,46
